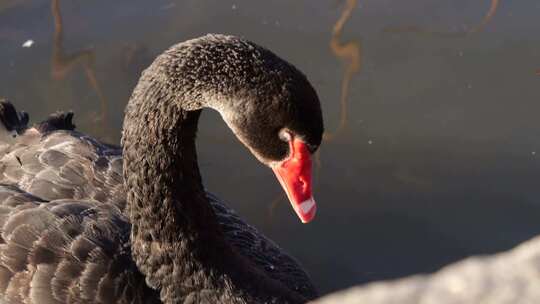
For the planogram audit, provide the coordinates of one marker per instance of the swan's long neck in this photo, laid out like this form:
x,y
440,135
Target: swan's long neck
x,y
176,240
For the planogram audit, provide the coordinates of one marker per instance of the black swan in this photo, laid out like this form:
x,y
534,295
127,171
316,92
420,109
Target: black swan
x,y
86,222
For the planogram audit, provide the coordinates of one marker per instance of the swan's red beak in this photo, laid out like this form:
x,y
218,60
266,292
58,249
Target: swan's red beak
x,y
294,175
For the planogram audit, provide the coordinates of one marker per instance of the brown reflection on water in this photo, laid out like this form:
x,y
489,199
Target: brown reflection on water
x,y
350,54
487,18
63,64
475,29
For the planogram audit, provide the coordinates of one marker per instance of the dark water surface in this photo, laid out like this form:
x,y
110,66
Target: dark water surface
x,y
432,108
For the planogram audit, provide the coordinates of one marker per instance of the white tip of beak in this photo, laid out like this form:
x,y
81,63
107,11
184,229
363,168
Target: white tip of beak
x,y
306,210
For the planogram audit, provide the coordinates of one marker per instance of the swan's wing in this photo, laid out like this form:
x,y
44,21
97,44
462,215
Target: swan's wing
x,y
262,251
54,162
64,164
65,251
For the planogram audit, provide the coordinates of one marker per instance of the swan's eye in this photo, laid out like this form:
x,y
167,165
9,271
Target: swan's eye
x,y
303,184
285,135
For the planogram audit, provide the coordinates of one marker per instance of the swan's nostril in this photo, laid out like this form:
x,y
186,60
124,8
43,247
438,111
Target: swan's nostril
x,y
303,183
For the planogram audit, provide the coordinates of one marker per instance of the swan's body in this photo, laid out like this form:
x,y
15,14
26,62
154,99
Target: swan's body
x,y
69,234
68,165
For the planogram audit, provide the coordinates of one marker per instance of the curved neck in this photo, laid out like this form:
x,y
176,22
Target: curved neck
x,y
177,242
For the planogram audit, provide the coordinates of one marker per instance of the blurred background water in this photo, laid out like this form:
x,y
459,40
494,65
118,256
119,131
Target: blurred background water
x,y
431,107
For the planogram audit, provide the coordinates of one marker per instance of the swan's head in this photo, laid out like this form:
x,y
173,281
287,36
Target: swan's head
x,y
12,123
284,134
269,104
274,111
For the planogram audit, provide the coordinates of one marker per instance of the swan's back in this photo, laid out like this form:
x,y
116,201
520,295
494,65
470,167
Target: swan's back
x,y
63,237
65,251
64,164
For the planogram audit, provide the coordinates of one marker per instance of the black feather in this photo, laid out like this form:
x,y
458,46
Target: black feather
x,y
57,121
11,119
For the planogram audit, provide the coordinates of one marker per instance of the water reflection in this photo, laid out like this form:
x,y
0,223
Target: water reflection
x,y
63,64
349,52
475,29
